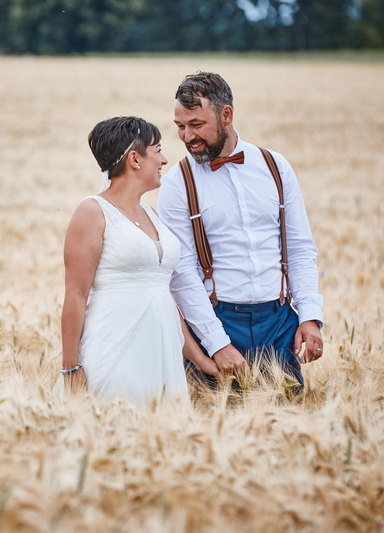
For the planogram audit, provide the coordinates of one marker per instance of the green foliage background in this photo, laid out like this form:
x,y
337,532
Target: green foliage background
x,y
86,26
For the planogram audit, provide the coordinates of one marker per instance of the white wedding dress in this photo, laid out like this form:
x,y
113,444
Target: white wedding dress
x,y
132,341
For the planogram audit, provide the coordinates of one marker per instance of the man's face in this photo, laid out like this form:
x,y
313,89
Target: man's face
x,y
201,130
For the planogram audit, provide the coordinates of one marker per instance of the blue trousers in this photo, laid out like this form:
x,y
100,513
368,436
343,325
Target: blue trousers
x,y
256,329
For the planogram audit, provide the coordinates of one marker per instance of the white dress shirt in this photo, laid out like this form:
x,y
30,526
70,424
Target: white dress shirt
x,y
239,205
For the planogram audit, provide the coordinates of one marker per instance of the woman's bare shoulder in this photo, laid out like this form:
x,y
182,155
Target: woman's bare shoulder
x,y
88,210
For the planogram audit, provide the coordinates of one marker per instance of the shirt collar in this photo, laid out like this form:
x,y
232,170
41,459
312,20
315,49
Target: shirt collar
x,y
237,146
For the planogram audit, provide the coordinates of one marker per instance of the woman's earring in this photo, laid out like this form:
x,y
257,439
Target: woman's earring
x,y
138,166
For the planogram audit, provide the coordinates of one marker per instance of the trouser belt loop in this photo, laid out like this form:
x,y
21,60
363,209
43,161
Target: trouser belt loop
x,y
219,307
278,305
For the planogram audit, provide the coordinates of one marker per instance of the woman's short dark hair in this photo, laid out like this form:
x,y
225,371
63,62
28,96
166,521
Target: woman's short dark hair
x,y
110,138
207,85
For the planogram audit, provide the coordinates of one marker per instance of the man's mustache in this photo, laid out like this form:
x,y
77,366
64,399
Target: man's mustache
x,y
195,141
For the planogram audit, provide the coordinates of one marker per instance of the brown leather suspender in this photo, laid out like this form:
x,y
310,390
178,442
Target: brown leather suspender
x,y
201,241
202,245
283,232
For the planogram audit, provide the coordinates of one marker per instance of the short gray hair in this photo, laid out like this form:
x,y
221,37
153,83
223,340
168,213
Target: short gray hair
x,y
204,85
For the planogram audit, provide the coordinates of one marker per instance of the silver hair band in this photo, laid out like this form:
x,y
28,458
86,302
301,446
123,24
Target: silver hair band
x,y
105,181
127,150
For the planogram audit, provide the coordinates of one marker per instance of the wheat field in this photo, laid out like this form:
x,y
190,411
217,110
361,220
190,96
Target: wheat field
x,y
257,462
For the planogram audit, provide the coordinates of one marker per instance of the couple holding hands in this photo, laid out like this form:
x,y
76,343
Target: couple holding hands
x,y
126,267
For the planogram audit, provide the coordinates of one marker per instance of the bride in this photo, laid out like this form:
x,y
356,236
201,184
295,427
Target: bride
x,y
121,330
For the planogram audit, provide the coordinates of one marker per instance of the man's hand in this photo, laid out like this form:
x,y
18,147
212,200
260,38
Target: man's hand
x,y
309,332
230,361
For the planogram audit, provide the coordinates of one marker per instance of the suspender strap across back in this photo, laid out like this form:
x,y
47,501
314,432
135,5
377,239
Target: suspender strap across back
x,y
201,241
202,245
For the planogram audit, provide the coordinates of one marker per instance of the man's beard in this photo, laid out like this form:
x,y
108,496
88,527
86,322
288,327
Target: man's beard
x,y
210,151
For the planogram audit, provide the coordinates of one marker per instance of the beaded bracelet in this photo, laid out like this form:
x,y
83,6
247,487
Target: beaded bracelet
x,y
68,370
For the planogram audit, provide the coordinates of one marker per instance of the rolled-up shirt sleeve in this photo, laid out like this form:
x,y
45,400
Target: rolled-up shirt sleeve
x,y
186,282
302,252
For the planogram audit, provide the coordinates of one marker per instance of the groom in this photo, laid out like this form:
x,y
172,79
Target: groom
x,y
239,206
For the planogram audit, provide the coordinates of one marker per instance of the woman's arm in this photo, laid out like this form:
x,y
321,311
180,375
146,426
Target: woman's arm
x,y
82,250
193,353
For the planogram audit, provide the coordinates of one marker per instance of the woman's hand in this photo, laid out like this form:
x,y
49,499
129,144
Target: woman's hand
x,y
193,352
208,366
76,381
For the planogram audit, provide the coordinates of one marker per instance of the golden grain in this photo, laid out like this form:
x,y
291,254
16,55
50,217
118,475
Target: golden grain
x,y
250,461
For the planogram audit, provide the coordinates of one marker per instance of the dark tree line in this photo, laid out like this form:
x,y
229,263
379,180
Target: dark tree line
x,y
84,26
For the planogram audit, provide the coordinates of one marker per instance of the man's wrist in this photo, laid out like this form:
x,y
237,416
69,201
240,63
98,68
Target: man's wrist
x,y
220,350
316,321
309,312
215,341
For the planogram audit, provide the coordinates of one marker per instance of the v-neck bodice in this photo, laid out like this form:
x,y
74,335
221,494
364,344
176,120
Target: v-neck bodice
x,y
129,256
159,249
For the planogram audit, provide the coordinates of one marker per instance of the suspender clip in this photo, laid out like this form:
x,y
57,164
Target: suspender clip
x,y
195,216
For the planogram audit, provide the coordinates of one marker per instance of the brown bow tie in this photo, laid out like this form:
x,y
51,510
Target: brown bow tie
x,y
220,161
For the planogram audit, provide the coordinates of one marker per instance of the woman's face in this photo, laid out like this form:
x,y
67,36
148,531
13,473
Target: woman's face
x,y
151,165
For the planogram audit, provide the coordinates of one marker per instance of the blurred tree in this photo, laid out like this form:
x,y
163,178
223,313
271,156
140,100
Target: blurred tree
x,y
368,25
319,25
72,26
68,26
301,24
272,24
5,30
190,25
